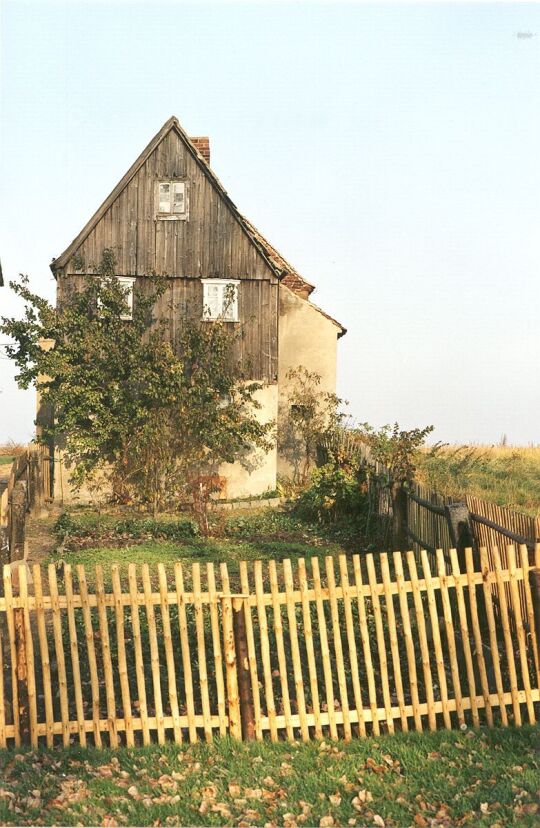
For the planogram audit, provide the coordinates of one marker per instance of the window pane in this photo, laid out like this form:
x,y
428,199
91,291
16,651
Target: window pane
x,y
178,197
164,198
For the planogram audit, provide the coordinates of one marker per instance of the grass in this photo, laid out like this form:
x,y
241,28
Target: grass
x,y
506,475
6,459
482,778
259,535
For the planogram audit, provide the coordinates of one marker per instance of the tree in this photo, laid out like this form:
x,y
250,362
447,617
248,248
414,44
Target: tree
x,y
128,402
312,417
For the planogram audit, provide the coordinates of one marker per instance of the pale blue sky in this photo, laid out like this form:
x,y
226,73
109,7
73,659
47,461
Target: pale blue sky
x,y
390,152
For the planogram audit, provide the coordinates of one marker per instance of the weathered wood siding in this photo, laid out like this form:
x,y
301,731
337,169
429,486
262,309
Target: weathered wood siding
x,y
210,243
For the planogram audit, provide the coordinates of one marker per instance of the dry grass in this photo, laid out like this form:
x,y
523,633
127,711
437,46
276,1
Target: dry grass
x,y
11,449
507,475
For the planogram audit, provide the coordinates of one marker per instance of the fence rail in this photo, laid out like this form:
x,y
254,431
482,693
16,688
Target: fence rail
x,y
287,651
29,487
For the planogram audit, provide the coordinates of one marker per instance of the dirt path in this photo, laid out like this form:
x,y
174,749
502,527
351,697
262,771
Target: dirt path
x,y
40,537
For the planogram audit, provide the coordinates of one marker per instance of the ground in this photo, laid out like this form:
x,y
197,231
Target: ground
x,y
446,778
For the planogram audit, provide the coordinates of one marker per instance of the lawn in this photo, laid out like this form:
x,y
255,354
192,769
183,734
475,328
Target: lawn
x,y
507,475
239,536
477,778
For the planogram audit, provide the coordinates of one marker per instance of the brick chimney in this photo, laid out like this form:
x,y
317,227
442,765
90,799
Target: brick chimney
x,y
202,144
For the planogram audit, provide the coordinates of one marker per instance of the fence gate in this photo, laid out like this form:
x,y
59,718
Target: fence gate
x,y
332,647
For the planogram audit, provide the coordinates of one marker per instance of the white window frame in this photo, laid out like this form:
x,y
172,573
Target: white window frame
x,y
232,309
127,283
169,214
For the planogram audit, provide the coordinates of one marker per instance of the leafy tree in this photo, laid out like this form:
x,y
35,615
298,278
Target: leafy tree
x,y
150,413
312,417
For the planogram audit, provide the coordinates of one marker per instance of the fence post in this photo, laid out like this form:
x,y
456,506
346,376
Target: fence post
x,y
233,705
400,517
534,580
459,526
17,524
247,714
22,662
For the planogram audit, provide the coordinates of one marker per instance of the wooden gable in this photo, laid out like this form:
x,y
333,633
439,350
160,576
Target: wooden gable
x,y
213,242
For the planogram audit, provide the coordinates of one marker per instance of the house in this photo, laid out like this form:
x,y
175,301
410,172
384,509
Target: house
x,y
170,214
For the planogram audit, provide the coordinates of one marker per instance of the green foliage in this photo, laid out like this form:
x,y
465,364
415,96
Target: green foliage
x,y
334,492
312,416
396,449
99,527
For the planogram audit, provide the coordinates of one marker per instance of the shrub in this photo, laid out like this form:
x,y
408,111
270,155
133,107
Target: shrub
x,y
334,492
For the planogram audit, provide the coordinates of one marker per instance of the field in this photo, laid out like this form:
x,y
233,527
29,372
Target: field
x,y
507,475
439,779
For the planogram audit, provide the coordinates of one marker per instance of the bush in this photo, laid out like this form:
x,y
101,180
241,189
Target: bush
x,y
333,493
99,527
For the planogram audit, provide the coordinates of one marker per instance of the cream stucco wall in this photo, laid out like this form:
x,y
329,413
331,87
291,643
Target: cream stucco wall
x,y
306,338
258,475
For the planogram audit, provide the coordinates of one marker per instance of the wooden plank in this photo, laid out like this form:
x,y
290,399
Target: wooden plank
x,y
186,655
295,649
364,636
325,650
422,637
233,703
216,643
381,643
520,631
507,636
265,650
59,652
169,653
121,650
280,646
137,647
308,637
478,642
44,654
409,643
434,618
3,737
201,650
29,646
338,647
351,642
74,651
394,646
10,620
154,653
493,635
450,635
465,638
91,653
106,657
524,559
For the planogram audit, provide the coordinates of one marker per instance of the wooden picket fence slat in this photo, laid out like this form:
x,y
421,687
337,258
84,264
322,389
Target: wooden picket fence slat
x,y
361,645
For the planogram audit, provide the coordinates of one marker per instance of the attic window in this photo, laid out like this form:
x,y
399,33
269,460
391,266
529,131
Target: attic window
x,y
220,299
171,200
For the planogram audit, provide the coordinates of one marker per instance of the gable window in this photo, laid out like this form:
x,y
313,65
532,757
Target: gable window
x,y
220,299
171,200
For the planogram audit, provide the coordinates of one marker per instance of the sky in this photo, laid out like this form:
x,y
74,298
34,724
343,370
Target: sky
x,y
389,152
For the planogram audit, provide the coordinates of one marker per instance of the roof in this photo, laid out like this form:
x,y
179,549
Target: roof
x,y
284,271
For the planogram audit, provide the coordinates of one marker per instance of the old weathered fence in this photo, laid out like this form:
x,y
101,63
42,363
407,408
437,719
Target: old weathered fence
x,y
28,489
298,651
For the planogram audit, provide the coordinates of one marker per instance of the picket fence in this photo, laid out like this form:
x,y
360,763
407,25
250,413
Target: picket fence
x,y
271,649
